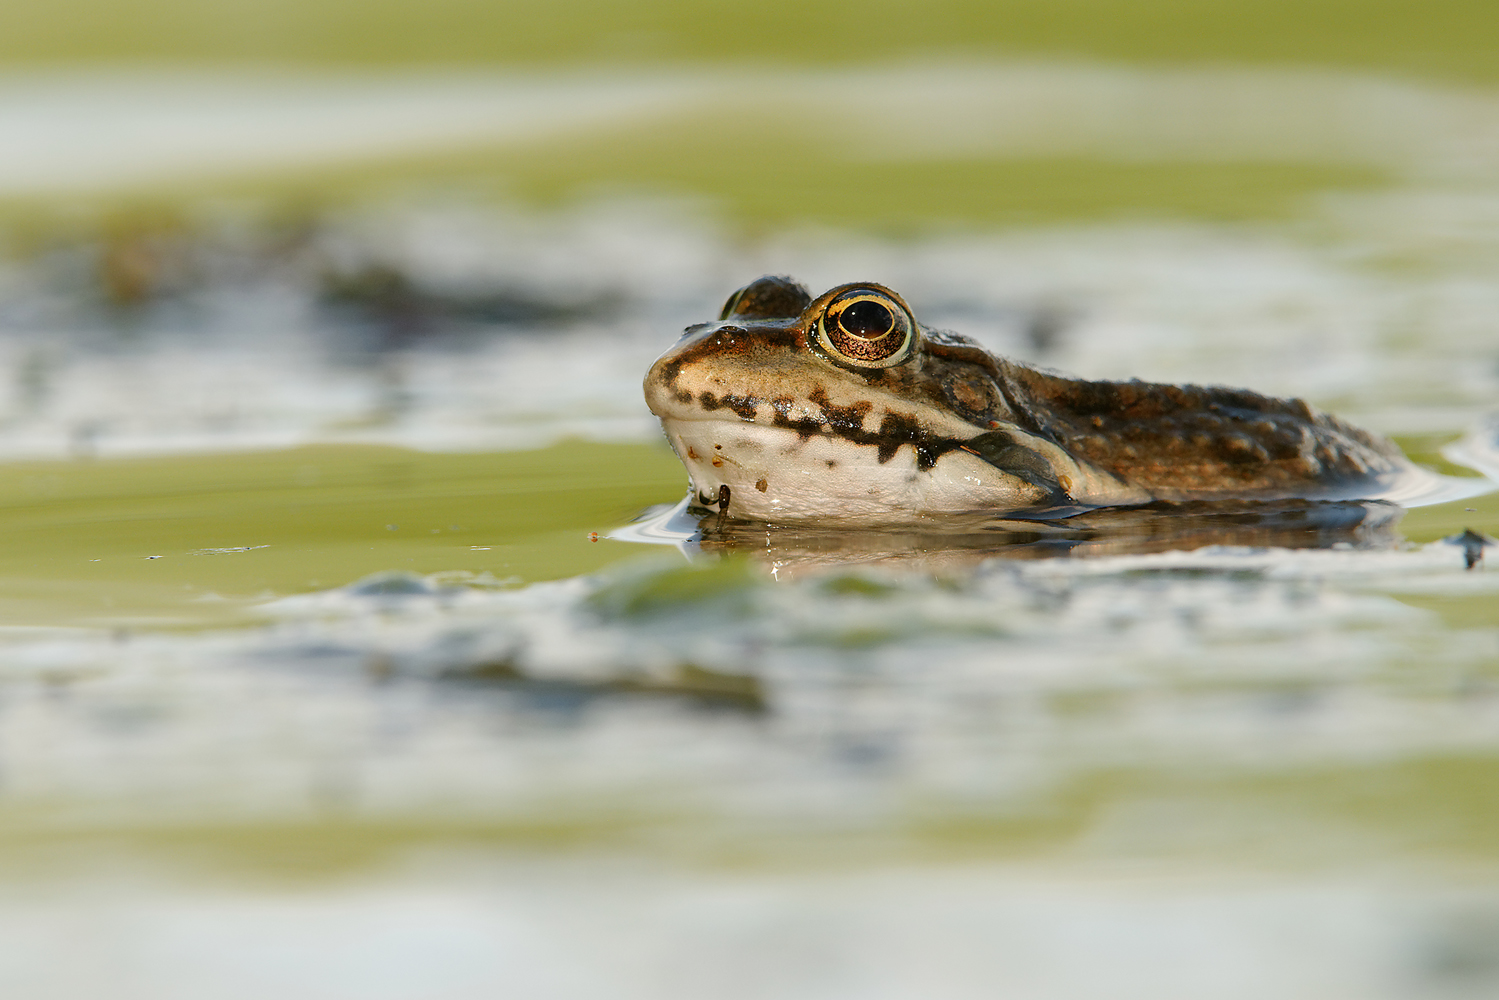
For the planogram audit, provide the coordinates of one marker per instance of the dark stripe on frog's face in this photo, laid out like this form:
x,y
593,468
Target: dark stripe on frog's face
x,y
847,423
745,406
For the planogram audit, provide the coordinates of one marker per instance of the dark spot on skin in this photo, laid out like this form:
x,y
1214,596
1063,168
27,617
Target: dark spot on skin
x,y
840,418
899,429
717,462
1239,449
744,406
973,398
843,421
832,464
762,486
895,430
723,499
805,428
718,447
691,454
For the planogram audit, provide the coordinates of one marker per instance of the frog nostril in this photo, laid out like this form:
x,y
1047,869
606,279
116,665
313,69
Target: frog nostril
x,y
867,320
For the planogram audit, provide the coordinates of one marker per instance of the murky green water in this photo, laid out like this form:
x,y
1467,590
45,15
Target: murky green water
x,y
206,539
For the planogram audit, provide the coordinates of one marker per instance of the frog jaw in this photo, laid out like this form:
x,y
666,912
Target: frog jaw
x,y
777,475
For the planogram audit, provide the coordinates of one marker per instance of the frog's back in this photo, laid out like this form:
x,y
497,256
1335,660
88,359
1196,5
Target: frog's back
x,y
1189,442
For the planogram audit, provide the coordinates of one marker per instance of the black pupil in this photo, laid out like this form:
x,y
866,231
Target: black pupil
x,y
866,320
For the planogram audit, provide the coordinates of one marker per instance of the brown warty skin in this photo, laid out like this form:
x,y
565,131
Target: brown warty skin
x,y
843,409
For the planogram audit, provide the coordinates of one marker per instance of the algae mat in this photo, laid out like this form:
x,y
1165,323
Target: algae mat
x,y
196,538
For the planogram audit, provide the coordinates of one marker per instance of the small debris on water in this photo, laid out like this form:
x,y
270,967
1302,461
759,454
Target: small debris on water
x,y
153,557
1472,544
593,536
391,527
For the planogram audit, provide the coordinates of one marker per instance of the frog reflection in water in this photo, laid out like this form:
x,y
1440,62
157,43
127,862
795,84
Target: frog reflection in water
x,y
844,410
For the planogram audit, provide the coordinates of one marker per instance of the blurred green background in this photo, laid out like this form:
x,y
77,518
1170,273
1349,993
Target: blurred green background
x,y
1454,40
762,160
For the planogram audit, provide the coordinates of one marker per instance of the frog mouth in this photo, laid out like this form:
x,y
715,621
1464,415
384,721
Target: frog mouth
x,y
721,452
787,436
744,452
761,471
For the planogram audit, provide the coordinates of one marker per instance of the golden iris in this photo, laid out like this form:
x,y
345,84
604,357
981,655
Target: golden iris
x,y
866,327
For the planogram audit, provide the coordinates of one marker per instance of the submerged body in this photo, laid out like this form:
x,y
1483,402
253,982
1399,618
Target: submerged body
x,y
844,410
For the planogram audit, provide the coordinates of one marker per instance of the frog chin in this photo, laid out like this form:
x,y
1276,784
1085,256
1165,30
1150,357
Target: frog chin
x,y
775,474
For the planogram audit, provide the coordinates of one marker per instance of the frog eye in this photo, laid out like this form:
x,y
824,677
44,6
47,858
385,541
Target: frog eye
x,y
770,297
866,327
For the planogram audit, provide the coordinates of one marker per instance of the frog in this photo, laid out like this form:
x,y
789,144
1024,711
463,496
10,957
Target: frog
x,y
844,410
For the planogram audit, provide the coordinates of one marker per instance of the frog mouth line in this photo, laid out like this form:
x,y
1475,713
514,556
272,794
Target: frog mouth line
x,y
997,448
895,432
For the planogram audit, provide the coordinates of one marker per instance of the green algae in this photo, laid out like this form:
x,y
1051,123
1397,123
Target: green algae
x,y
652,588
196,538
